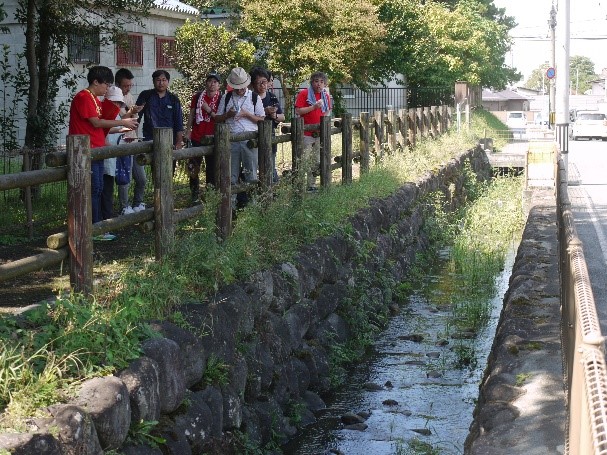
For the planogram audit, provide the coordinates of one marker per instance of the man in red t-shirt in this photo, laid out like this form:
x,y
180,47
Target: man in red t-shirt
x,y
86,117
201,123
312,103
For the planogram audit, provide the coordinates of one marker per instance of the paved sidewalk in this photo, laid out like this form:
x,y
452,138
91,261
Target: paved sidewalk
x,y
521,408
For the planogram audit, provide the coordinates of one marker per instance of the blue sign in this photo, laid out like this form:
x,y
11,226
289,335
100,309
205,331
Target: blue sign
x,y
550,73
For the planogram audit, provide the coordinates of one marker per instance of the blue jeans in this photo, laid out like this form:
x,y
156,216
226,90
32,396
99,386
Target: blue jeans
x,y
96,189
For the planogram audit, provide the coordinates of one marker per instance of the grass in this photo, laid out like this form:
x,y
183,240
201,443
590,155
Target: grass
x,y
49,352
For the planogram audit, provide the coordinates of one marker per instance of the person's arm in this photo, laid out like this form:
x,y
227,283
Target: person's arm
x,y
178,126
257,114
280,116
188,127
130,123
132,112
221,115
307,109
179,140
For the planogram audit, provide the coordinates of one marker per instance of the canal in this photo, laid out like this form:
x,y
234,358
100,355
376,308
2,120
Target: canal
x,y
416,390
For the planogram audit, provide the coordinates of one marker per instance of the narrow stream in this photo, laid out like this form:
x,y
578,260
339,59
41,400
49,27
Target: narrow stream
x,y
410,386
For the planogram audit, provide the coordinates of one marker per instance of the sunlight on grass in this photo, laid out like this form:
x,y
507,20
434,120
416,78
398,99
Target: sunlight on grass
x,y
75,339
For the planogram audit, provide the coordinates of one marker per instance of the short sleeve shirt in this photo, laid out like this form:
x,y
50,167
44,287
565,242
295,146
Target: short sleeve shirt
x,y
312,117
206,127
160,112
84,106
239,125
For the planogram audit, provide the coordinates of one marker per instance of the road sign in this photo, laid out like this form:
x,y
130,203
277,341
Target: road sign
x,y
550,73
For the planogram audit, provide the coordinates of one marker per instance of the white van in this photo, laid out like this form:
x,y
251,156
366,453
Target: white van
x,y
589,124
516,120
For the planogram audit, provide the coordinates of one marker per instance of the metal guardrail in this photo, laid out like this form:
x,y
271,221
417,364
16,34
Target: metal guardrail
x,y
583,343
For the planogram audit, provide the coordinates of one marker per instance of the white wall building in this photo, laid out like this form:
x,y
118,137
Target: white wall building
x,y
143,54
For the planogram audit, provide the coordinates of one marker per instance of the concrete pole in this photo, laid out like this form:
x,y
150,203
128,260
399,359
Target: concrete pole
x,y
551,82
562,81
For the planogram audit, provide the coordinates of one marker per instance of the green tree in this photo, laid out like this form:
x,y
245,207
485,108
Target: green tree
x,y
201,48
434,43
297,37
48,25
581,73
538,80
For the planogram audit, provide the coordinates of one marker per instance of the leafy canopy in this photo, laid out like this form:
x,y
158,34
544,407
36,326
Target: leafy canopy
x,y
201,48
581,75
297,37
433,43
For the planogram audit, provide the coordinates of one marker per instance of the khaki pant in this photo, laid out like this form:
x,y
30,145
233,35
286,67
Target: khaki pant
x,y
311,158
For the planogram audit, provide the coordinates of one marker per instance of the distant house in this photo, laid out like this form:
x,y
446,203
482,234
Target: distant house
x,y
506,100
143,53
597,87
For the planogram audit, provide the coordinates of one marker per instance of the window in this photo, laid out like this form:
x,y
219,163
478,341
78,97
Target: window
x,y
129,51
83,47
164,49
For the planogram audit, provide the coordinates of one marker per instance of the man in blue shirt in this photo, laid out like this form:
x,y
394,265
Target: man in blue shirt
x,y
161,109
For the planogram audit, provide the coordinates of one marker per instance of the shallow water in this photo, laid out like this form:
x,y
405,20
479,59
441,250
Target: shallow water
x,y
441,406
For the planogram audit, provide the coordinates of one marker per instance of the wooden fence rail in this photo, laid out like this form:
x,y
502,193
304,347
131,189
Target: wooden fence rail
x,y
392,130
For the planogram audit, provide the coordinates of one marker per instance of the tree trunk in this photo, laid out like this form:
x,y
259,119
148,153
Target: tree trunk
x,y
32,70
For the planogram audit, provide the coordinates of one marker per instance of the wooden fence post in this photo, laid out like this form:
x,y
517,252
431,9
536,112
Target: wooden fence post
x,y
403,127
346,148
162,174
29,213
364,142
392,130
297,148
223,155
449,117
80,214
423,132
433,121
412,126
325,151
379,133
264,153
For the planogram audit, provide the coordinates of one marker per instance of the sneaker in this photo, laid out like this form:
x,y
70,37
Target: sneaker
x,y
127,210
139,208
312,189
108,236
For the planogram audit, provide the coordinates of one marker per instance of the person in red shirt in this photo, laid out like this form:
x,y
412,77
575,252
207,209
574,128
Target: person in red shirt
x,y
201,123
312,103
86,117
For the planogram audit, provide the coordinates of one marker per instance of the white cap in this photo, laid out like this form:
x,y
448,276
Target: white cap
x,y
115,94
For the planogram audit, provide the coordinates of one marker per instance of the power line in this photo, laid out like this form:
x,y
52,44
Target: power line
x,y
545,38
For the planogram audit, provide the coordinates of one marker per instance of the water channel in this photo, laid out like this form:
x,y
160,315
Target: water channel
x,y
413,397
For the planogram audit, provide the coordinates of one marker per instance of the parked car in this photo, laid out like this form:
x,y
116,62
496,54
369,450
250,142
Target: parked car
x,y
516,121
589,124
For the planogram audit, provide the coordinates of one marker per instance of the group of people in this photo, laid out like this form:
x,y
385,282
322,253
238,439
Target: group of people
x,y
246,101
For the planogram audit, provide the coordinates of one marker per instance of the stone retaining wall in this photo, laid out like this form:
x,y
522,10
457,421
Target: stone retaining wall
x,y
274,333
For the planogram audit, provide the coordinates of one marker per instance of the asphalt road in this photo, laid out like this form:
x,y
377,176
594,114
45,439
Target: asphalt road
x,y
589,203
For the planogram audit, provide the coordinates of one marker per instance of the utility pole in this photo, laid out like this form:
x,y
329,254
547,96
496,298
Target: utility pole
x,y
562,82
552,96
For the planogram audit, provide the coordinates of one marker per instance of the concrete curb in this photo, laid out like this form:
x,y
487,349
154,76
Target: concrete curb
x,y
521,407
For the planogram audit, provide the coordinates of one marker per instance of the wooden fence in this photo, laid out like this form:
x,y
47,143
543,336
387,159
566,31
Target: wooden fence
x,y
380,131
